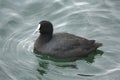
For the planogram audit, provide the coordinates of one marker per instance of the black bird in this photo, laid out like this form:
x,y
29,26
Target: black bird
x,y
63,45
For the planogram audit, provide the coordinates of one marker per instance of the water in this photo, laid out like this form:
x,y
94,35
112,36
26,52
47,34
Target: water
x,y
93,19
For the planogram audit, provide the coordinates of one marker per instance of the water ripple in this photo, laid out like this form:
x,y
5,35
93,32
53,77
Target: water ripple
x,y
94,19
17,53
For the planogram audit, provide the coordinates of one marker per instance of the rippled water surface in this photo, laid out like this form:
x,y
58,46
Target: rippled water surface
x,y
93,19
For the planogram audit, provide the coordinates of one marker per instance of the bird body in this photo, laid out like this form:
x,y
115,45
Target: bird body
x,y
63,44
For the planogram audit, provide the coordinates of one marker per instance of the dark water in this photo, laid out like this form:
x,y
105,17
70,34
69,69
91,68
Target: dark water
x,y
93,19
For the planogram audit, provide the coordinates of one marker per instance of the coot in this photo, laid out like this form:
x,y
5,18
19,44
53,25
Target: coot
x,y
63,45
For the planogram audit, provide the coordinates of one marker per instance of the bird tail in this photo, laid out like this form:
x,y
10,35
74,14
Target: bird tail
x,y
95,44
98,45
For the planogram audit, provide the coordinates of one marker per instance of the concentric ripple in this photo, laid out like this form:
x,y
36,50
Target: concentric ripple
x,y
17,54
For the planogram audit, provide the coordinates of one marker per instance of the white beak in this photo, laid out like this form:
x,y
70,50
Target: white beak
x,y
38,26
37,29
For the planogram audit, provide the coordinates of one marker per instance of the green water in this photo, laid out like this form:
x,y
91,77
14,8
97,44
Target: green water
x,y
92,19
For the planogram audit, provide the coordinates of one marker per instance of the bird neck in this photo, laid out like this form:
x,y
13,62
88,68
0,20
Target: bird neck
x,y
45,37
